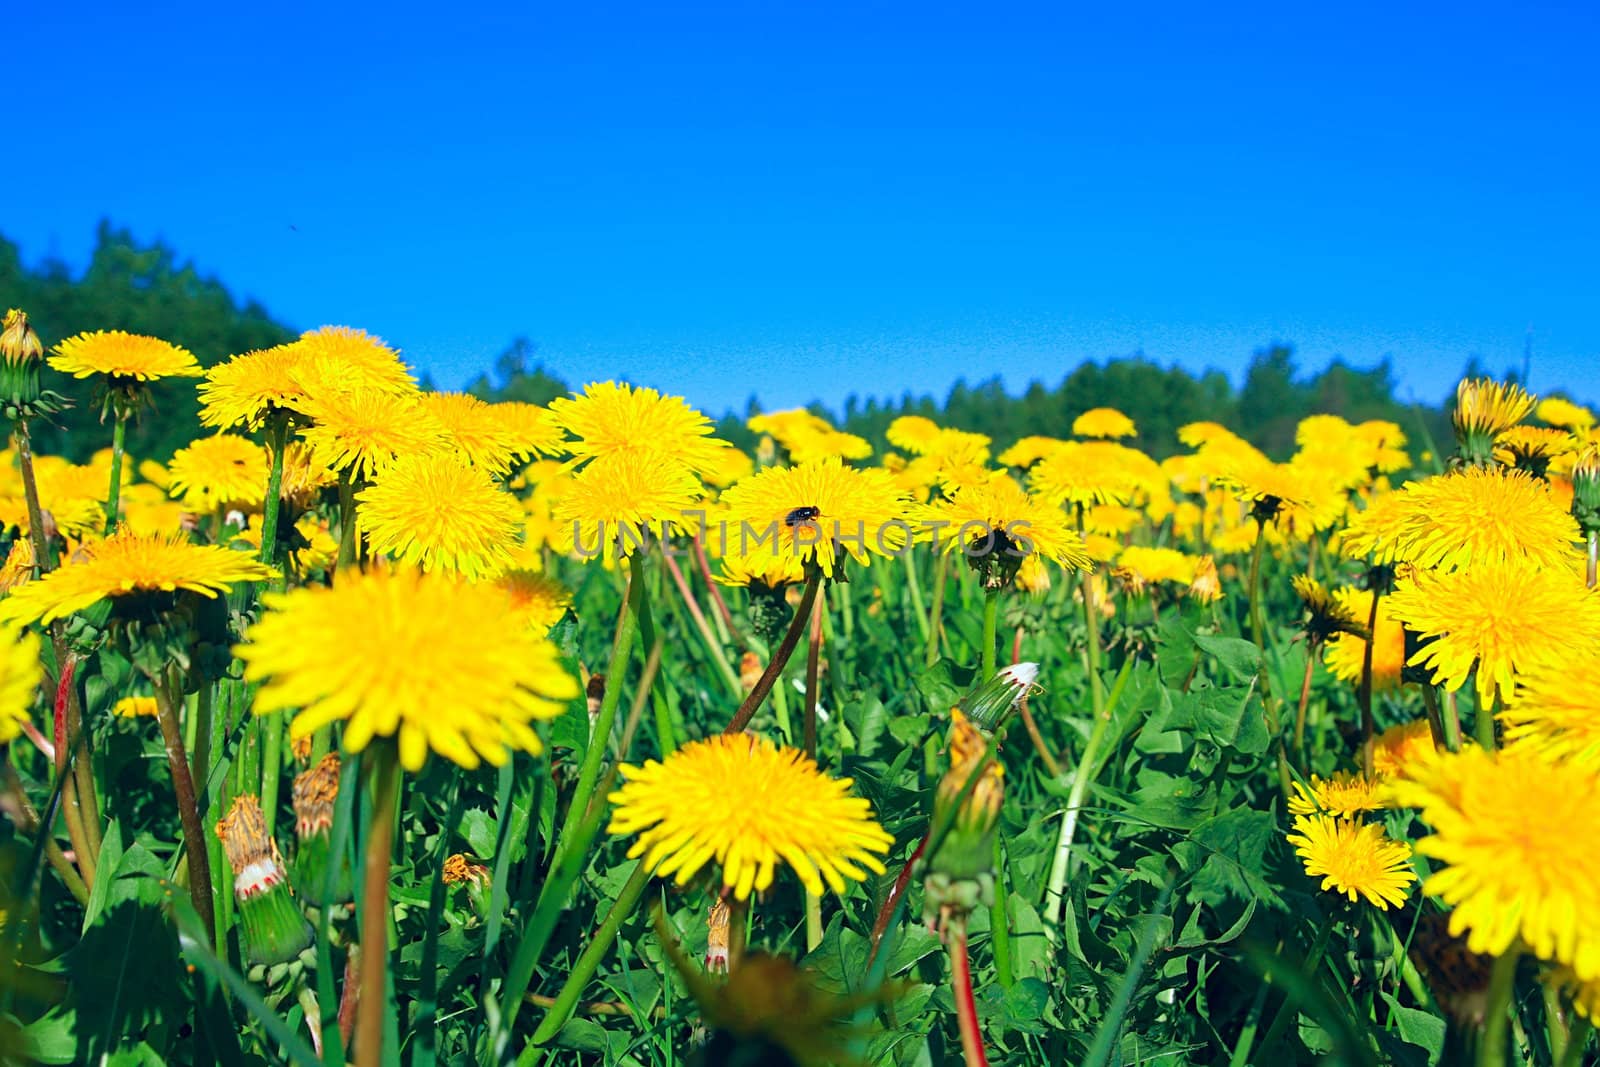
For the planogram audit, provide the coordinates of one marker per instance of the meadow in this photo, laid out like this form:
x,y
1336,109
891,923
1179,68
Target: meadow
x,y
392,726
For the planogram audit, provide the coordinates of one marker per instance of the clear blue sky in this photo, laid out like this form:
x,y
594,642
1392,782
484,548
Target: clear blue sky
x,y
803,200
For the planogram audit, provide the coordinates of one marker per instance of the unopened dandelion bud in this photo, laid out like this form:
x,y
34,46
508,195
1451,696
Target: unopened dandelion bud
x,y
272,928
992,701
313,794
1206,586
717,925
959,876
1586,490
1484,410
21,352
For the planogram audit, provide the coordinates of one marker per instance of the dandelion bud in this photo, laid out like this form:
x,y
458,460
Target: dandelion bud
x,y
959,877
1206,587
996,698
717,924
1484,410
594,695
272,929
313,794
1586,490
21,352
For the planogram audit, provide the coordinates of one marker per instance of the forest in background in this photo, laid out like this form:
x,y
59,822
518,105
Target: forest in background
x,y
145,289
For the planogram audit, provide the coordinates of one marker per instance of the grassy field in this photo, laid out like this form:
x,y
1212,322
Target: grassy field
x,y
383,726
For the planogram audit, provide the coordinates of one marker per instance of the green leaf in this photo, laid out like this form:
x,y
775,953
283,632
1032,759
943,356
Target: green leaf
x,y
1226,855
1227,718
1239,658
478,829
1421,1028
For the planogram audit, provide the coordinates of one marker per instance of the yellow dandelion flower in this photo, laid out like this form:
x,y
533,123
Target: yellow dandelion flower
x,y
1489,408
1344,795
731,464
1298,499
1396,750
1148,564
913,433
436,511
835,443
1104,422
1468,517
1386,445
1555,709
1113,519
480,432
814,509
1084,472
18,567
541,600
304,476
772,570
608,418
246,389
135,707
998,516
222,471
21,672
1531,448
1502,617
530,429
123,357
617,502
1356,859
340,357
1559,411
363,431
1345,653
1515,834
127,566
442,664
743,802
1028,451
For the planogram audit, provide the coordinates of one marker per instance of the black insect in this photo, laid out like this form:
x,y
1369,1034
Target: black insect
x,y
802,516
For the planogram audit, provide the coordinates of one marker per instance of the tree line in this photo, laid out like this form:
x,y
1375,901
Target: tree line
x,y
143,288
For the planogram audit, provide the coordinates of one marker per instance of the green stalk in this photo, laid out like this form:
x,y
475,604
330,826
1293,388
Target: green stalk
x,y
168,686
999,920
1483,723
347,521
698,617
272,727
119,433
373,1007
1497,1016
1088,768
936,613
1577,1042
1289,1010
813,670
991,610
1369,725
584,968
600,737
914,590
779,659
277,441
1258,630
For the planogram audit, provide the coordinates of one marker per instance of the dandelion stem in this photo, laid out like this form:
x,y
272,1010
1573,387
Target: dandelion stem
x,y
713,644
119,433
372,1006
991,609
1430,707
1592,571
347,520
780,658
966,1006
168,689
277,441
1258,630
1497,1015
1369,724
600,736
1300,709
999,920
936,612
723,617
1051,765
914,591
30,824
813,669
567,999
1577,1042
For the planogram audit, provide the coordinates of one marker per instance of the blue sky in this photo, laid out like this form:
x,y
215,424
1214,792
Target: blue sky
x,y
804,200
